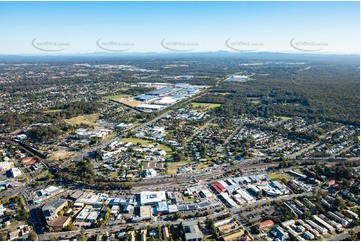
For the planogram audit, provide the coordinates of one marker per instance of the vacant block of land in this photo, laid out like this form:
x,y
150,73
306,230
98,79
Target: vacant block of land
x,y
205,105
83,119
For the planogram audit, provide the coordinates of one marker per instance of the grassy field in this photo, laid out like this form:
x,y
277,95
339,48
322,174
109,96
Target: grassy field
x,y
205,105
278,177
136,140
173,167
298,171
188,200
115,97
113,174
83,119
165,148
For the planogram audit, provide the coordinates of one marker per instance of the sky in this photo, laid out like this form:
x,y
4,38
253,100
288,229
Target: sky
x,y
115,27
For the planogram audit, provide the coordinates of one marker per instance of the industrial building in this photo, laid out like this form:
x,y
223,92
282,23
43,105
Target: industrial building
x,y
145,98
161,92
150,107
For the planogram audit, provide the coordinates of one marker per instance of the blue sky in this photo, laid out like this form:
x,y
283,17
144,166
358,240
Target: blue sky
x,y
75,27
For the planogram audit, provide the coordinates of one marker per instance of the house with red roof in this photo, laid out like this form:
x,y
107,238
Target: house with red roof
x,y
28,161
265,224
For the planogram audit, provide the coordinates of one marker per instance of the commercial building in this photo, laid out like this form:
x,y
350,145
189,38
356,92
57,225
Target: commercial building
x,y
152,197
192,231
145,98
59,223
218,187
228,200
51,209
166,101
15,172
161,92
145,212
150,107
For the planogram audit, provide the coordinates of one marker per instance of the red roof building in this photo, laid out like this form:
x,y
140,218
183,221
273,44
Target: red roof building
x,y
265,224
28,161
218,187
330,182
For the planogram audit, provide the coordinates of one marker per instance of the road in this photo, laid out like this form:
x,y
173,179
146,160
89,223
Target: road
x,y
137,226
228,139
118,227
199,130
265,201
311,146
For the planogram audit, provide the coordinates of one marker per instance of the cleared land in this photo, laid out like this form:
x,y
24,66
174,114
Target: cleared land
x,y
61,155
173,167
83,119
116,97
147,142
53,111
205,105
128,101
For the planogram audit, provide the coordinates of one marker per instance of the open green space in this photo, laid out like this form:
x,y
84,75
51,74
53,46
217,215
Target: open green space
x,y
205,105
136,141
173,167
113,174
188,199
278,177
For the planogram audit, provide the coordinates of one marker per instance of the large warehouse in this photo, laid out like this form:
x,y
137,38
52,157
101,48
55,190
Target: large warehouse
x,y
161,92
145,98
150,107
166,101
